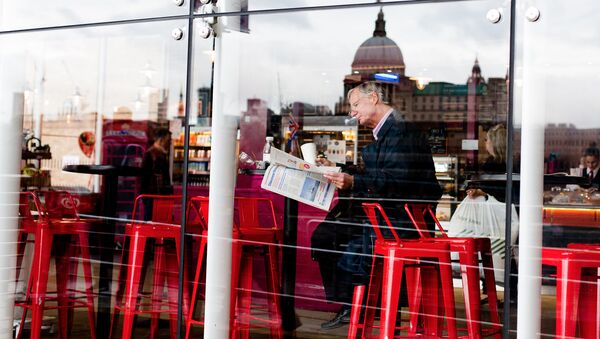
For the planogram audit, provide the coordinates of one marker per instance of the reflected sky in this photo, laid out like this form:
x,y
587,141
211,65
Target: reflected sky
x,y
304,56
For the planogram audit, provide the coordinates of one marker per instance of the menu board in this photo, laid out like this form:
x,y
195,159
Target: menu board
x,y
437,141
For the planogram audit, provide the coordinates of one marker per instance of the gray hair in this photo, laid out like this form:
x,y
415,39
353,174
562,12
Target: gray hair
x,y
367,88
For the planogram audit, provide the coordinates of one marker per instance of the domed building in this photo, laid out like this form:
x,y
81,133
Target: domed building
x,y
378,53
448,112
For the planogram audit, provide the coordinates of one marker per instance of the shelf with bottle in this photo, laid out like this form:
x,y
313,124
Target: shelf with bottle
x,y
202,138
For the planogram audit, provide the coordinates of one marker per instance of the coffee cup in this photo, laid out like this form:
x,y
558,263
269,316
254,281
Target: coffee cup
x,y
309,152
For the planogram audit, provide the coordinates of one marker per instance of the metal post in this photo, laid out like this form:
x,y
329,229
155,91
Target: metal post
x,y
226,111
99,110
532,187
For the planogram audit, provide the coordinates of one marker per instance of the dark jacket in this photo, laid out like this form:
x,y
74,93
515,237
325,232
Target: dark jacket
x,y
156,178
595,180
398,168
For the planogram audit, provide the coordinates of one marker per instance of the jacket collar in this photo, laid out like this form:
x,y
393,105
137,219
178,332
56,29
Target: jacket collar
x,y
389,122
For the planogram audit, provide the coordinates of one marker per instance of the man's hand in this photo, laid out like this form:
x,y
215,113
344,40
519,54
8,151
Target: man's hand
x,y
324,162
340,180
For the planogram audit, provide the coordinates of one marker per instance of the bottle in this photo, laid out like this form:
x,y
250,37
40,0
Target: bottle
x,y
267,150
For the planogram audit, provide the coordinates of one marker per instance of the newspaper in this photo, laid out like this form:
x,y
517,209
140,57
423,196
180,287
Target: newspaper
x,y
297,179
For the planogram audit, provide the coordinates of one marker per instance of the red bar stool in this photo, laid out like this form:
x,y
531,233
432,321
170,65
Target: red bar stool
x,y
163,226
468,250
198,217
588,320
390,257
48,224
574,265
250,237
256,239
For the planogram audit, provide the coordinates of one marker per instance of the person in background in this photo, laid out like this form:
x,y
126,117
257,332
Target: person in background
x,y
495,145
592,164
495,163
156,178
398,166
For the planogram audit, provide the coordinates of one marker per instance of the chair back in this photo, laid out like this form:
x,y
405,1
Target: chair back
x,y
166,209
255,213
59,204
372,210
417,214
27,200
198,212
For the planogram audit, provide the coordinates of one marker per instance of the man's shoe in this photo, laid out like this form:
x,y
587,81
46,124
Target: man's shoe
x,y
340,319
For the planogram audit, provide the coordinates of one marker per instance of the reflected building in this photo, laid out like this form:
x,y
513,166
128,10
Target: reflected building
x,y
456,111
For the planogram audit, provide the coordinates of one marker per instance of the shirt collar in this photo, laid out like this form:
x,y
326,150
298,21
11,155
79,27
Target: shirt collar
x,y
381,122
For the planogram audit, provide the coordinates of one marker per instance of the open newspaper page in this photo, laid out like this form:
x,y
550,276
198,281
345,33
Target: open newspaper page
x,y
297,179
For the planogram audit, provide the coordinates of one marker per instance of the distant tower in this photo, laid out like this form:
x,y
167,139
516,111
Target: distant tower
x,y
475,89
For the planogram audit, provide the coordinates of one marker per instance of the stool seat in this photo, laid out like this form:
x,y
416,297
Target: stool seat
x,y
576,288
391,257
468,249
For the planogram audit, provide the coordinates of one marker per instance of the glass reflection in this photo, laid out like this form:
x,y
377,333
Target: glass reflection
x,y
562,66
292,83
91,103
15,15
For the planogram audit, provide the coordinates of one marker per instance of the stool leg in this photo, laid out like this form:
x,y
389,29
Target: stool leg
x,y
43,246
273,288
245,295
236,256
172,268
588,312
28,289
490,283
470,276
65,271
174,285
432,315
414,292
120,287
448,293
135,262
372,296
89,285
158,284
357,301
195,283
567,293
390,294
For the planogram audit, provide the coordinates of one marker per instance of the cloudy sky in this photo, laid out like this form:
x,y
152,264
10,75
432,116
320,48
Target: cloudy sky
x,y
296,56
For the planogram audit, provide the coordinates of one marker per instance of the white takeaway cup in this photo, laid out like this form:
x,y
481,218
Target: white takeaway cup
x,y
309,152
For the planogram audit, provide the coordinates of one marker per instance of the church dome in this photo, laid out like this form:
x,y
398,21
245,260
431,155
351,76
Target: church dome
x,y
378,53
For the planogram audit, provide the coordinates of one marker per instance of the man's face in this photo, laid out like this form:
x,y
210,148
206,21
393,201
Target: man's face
x,y
362,107
591,161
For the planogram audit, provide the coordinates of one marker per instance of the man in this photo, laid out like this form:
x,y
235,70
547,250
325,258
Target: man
x,y
398,166
592,164
156,178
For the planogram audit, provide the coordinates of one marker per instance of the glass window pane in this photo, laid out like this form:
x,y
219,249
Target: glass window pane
x,y
16,15
559,75
87,119
446,79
